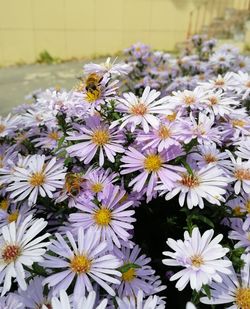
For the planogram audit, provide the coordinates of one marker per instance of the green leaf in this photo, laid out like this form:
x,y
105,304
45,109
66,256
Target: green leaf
x,y
60,142
203,219
207,290
187,166
123,269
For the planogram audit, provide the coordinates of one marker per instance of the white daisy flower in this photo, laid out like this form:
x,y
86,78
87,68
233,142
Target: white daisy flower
x,y
107,67
208,183
189,305
201,258
219,104
243,149
19,248
37,178
137,302
8,125
64,302
242,84
188,99
240,174
220,82
234,289
141,111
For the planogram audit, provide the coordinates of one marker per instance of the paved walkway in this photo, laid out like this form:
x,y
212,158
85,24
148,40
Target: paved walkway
x,y
17,82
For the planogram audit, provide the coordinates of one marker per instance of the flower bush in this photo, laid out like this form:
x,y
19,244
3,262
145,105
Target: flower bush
x,y
137,177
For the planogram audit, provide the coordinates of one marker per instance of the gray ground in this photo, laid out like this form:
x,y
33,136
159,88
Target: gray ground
x,y
16,82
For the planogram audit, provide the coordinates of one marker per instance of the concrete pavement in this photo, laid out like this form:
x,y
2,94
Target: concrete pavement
x,y
18,81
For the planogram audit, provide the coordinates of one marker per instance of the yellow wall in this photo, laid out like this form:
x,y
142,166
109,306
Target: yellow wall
x,y
77,28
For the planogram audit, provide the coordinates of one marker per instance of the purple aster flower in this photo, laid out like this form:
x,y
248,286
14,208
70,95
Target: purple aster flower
x,y
49,139
210,155
10,212
167,135
237,125
110,218
241,233
202,128
234,289
96,137
34,296
11,301
95,91
97,180
135,278
153,167
83,260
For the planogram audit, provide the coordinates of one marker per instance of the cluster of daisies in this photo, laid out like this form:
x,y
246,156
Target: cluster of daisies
x,y
76,166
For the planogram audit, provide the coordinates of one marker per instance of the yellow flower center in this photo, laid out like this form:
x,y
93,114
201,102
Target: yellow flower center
x,y
237,211
10,253
213,100
242,174
219,82
197,260
4,204
129,275
97,187
152,163
2,128
1,162
53,135
189,100
190,181
13,217
242,298
37,179
100,137
171,117
238,123
242,64
248,84
139,109
209,158
93,95
248,206
164,132
103,217
80,264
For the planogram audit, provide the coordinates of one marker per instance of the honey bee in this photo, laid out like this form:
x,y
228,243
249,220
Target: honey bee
x,y
93,82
